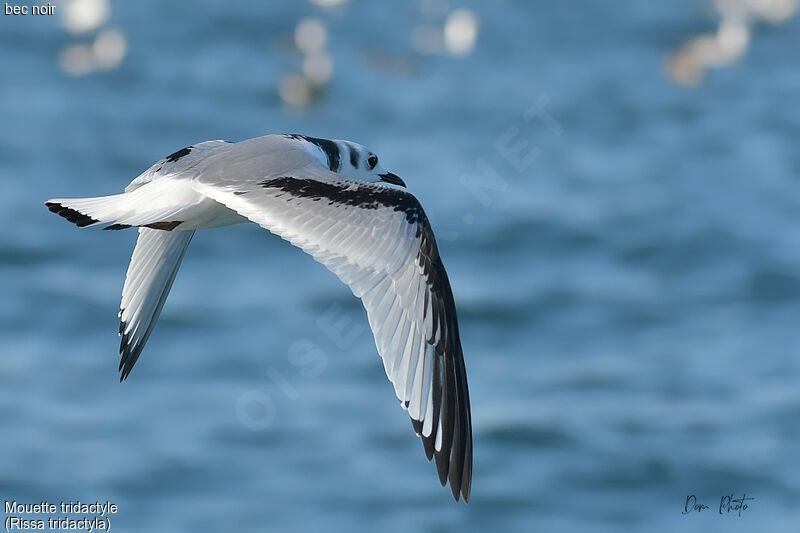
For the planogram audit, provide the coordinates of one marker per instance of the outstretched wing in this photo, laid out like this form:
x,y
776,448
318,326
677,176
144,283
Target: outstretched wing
x,y
154,264
379,242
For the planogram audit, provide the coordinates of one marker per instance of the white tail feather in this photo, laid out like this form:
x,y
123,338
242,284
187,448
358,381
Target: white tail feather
x,y
93,210
152,203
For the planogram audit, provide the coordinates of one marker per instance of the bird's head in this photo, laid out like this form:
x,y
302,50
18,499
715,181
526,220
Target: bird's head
x,y
359,162
351,160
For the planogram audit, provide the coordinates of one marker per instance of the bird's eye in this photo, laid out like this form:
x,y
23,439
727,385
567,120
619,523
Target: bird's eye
x,y
372,161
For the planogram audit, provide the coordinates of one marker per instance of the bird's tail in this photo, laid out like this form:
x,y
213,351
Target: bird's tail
x,y
147,206
88,211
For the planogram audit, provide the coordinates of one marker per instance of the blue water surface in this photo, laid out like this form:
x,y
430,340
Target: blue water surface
x,y
627,284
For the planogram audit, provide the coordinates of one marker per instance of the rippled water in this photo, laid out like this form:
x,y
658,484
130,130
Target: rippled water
x,y
628,295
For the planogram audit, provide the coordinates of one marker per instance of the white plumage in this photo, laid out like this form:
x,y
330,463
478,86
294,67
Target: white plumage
x,y
334,201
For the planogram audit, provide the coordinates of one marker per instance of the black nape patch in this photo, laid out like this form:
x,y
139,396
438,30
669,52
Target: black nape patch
x,y
76,217
171,158
329,148
117,227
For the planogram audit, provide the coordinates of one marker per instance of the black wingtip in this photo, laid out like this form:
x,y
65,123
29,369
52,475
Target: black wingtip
x,y
427,443
116,227
450,396
442,465
76,217
466,478
125,372
128,354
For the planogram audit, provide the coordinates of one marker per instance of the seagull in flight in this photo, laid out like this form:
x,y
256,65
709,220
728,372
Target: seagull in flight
x,y
332,199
